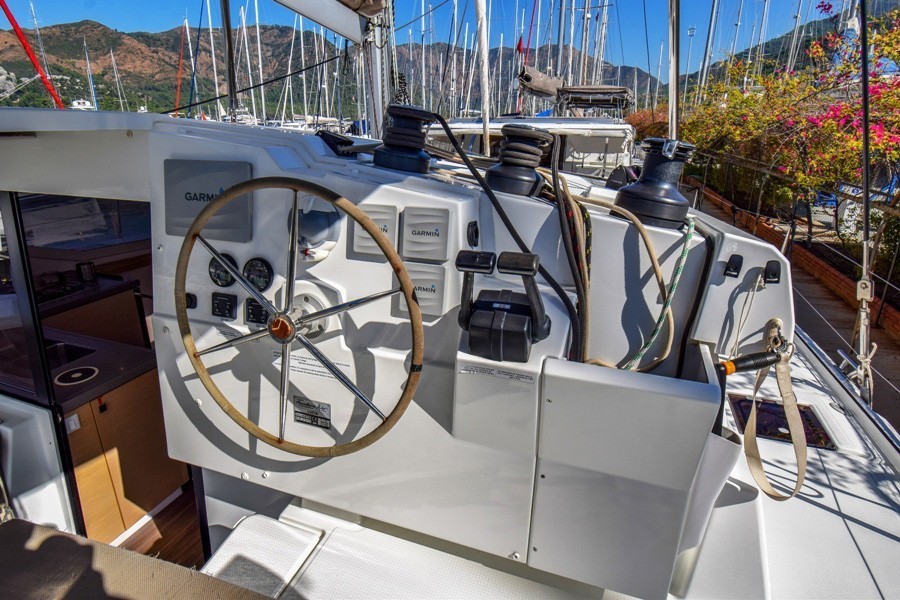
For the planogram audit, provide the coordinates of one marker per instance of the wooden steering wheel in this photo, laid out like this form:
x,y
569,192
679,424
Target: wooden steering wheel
x,y
284,326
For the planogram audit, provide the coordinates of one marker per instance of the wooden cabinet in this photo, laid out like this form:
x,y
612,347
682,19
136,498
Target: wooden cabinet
x,y
102,517
122,433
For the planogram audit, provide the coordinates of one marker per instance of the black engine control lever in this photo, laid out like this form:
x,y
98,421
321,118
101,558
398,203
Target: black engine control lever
x,y
502,324
526,265
748,362
470,262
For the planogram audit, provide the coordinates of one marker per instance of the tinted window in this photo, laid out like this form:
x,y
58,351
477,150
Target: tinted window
x,y
15,366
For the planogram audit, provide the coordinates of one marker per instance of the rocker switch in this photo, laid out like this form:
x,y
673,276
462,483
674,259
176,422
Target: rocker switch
x,y
772,273
734,265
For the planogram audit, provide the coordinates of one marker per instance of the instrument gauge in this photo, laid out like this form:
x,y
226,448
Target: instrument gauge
x,y
218,274
259,272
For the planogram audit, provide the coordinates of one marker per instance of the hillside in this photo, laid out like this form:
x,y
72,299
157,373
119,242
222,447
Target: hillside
x,y
148,67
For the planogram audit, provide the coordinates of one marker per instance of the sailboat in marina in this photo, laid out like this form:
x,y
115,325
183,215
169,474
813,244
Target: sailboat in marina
x,y
81,103
362,370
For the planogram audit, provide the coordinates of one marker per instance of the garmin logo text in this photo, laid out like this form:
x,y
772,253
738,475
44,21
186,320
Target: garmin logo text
x,y
201,197
436,232
422,288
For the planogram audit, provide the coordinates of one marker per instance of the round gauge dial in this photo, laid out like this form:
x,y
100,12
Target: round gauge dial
x,y
218,274
259,272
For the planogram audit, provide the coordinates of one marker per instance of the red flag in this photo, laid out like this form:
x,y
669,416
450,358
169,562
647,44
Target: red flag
x,y
519,47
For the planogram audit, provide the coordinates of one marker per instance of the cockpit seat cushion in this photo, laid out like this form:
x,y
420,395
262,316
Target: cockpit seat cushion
x,y
42,563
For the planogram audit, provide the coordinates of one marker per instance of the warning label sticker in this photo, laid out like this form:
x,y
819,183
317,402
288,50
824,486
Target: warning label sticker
x,y
305,364
311,412
513,376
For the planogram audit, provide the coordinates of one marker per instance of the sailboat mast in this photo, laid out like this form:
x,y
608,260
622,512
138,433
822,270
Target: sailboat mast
x,y
303,67
212,50
585,33
422,73
246,45
737,30
287,82
560,35
37,36
90,76
229,59
195,84
674,62
658,76
865,292
794,35
262,94
707,54
763,30
112,58
600,46
481,12
500,75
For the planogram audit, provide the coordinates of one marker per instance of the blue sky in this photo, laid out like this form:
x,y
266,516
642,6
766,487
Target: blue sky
x,y
629,48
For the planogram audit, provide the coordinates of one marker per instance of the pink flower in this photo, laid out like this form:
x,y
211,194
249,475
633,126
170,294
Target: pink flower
x,y
789,122
781,168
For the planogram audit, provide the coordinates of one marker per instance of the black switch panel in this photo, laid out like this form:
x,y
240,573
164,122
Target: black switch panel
x,y
224,306
734,265
255,313
773,272
190,300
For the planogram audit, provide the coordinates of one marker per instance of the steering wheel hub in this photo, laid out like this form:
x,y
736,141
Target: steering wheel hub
x,y
282,329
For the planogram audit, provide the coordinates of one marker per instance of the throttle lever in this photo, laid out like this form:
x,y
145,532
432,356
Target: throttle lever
x,y
527,265
470,262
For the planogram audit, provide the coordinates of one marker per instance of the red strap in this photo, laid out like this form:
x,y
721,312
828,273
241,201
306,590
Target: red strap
x,y
34,61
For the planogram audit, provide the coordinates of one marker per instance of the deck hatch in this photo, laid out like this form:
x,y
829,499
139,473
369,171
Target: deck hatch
x,y
772,423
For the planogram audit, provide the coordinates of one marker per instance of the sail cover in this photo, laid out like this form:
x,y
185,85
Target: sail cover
x,y
536,83
347,18
366,8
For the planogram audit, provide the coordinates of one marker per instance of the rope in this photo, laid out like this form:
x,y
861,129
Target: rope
x,y
654,262
745,313
676,277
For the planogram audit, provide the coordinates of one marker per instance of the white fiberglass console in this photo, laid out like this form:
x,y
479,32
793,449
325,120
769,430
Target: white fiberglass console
x,y
595,474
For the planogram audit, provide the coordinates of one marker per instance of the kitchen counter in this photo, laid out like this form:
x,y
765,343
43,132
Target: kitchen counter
x,y
77,293
85,376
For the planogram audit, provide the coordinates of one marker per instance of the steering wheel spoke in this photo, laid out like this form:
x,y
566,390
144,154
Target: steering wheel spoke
x,y
339,375
344,306
256,335
285,388
291,275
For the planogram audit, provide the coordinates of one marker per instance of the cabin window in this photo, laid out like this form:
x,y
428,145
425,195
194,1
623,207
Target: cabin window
x,y
15,363
91,267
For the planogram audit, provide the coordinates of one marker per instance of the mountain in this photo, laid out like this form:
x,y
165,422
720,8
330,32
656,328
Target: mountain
x,y
148,65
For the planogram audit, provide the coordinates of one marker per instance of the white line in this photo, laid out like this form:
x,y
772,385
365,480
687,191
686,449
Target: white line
x,y
123,537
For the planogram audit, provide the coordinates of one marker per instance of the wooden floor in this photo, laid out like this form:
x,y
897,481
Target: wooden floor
x,y
172,535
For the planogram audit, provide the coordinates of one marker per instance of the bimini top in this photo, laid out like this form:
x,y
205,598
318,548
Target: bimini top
x,y
595,96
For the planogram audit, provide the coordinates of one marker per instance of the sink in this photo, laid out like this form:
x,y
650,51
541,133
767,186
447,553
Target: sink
x,y
61,353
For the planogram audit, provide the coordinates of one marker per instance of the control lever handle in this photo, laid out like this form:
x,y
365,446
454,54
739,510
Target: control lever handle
x,y
527,265
748,362
470,262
